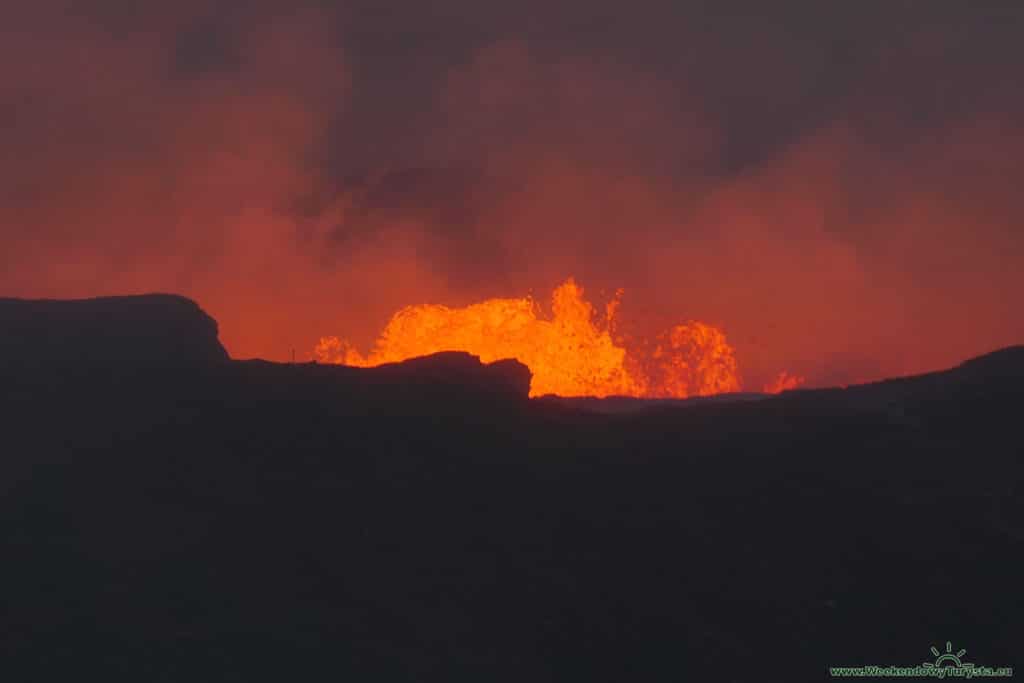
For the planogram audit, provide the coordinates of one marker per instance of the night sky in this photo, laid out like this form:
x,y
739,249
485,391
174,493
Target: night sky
x,y
837,185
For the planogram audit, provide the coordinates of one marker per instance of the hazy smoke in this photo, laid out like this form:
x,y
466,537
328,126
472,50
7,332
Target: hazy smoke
x,y
836,188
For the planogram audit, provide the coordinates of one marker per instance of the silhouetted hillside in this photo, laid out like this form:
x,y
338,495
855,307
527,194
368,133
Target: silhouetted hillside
x,y
425,521
157,330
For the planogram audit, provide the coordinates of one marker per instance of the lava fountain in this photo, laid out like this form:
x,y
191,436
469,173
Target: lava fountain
x,y
574,353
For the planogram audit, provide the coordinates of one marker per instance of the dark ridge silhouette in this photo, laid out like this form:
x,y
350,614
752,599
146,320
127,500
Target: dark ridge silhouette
x,y
108,333
1004,364
455,368
255,521
612,405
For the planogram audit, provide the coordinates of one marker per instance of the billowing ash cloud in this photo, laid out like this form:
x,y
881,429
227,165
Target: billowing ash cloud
x,y
834,186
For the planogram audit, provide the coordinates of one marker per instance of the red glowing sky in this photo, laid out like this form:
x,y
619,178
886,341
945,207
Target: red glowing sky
x,y
835,188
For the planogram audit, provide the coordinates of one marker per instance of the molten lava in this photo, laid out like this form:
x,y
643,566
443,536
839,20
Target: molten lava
x,y
783,382
569,355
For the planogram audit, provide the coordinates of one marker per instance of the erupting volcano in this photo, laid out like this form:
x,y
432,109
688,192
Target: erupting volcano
x,y
574,353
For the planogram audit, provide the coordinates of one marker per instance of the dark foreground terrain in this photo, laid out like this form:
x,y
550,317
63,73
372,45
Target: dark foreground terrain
x,y
167,514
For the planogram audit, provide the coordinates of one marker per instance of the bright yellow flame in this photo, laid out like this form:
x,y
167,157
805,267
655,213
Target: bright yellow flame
x,y
569,355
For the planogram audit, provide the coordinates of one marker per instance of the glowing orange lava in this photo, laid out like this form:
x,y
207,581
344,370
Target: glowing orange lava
x,y
571,354
783,382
